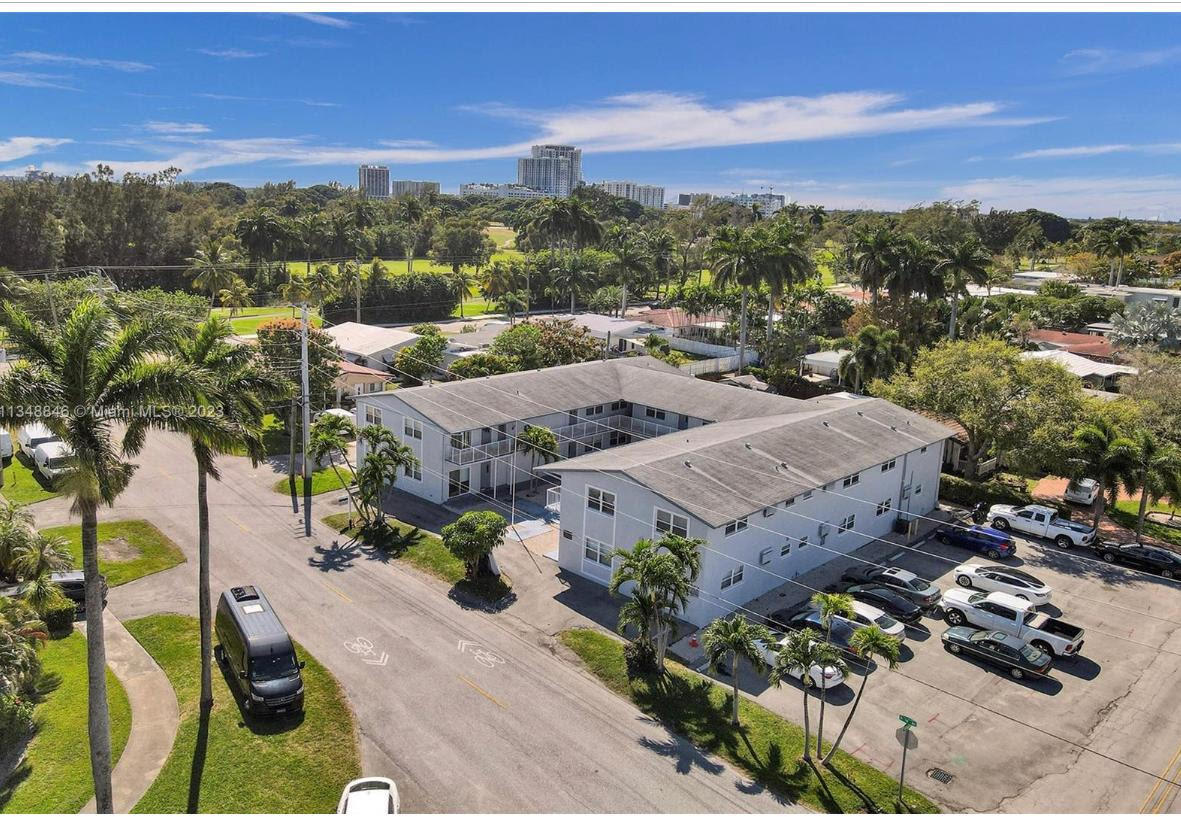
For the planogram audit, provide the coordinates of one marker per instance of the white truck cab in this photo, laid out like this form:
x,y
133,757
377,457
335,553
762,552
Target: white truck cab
x,y
1039,520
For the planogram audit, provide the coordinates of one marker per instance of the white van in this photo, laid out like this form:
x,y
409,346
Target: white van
x,y
1082,491
30,436
52,458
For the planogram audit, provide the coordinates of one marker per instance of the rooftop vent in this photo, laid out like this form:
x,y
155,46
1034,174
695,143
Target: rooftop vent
x,y
247,593
825,423
749,447
688,464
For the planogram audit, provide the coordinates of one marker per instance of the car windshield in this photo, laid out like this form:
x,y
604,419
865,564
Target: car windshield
x,y
1031,653
919,584
886,622
278,665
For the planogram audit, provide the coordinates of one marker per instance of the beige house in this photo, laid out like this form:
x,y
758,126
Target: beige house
x,y
355,379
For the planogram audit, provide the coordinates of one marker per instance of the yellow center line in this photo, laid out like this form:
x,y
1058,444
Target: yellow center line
x,y
338,592
1161,780
1168,792
477,688
242,527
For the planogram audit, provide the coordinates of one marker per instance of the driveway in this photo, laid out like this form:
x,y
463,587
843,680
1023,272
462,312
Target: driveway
x,y
467,711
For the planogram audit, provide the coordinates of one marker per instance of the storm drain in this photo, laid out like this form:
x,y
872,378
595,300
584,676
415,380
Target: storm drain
x,y
940,775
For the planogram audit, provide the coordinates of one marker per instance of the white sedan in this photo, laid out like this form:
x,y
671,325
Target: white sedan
x,y
369,795
997,578
825,677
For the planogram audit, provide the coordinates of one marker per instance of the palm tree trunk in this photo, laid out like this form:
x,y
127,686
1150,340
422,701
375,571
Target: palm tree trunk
x,y
623,301
955,302
1119,273
820,723
807,726
1143,506
848,719
358,293
204,611
98,716
735,677
571,301
291,453
742,333
770,318
1100,502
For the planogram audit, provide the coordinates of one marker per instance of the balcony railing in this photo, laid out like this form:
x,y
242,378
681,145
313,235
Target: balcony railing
x,y
475,453
640,429
553,500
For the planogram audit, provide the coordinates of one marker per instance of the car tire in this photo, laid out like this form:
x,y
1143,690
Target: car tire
x,y
1109,557
955,648
219,654
1000,524
1063,542
942,538
1017,673
1166,573
963,580
954,617
1043,646
993,554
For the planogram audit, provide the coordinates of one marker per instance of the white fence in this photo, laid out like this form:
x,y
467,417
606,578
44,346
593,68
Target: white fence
x,y
697,347
717,365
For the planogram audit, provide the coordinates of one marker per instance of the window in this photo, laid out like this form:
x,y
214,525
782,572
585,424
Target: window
x,y
566,534
883,507
735,526
597,552
851,480
805,496
847,523
923,450
732,578
411,429
462,439
594,410
601,501
413,470
618,405
669,522
918,489
789,502
459,482
765,556
785,550
889,466
372,415
803,542
655,413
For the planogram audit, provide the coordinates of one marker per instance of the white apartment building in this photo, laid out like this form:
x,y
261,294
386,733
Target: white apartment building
x,y
373,181
649,195
555,170
769,203
645,449
499,191
420,190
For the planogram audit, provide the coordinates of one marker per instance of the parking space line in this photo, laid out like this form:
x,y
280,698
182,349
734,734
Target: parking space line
x,y
477,688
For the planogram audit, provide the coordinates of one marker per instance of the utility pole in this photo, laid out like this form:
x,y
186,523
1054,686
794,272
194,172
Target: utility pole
x,y
307,421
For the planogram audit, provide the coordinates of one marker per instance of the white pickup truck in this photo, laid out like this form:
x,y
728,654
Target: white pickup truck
x,y
1038,520
1009,614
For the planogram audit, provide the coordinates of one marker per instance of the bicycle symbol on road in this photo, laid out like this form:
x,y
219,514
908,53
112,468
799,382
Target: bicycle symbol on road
x,y
364,647
483,656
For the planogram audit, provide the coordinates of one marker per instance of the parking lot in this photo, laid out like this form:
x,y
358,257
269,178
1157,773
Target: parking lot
x,y
1097,734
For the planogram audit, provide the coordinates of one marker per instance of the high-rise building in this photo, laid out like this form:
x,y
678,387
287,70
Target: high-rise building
x,y
420,190
649,195
499,191
685,200
553,169
769,203
373,181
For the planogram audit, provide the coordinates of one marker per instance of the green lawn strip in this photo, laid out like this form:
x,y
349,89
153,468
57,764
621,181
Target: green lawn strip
x,y
322,482
287,766
156,551
21,486
55,775
1127,512
766,746
274,436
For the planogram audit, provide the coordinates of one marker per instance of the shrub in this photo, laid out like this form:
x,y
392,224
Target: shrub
x,y
413,296
1003,489
60,615
16,718
640,658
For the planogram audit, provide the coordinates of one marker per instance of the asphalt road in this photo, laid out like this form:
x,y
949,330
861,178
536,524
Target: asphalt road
x,y
467,711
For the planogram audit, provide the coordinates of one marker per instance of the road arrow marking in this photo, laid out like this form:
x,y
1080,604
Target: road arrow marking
x,y
378,662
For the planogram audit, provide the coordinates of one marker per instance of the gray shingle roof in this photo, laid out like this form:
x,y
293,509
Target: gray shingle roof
x,y
729,470
489,401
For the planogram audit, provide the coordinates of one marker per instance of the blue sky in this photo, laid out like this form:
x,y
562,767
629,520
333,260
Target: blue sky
x,y
1075,113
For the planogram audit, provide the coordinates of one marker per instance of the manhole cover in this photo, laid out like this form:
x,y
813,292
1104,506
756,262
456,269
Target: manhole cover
x,y
940,775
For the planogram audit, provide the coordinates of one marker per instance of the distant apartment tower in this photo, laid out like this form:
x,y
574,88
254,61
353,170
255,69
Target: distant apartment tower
x,y
769,203
420,190
374,181
555,170
499,191
649,195
685,200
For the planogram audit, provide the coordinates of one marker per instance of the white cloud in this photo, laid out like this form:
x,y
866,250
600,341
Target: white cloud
x,y
323,19
231,53
43,58
18,147
176,127
1077,196
1098,150
1110,61
26,79
314,103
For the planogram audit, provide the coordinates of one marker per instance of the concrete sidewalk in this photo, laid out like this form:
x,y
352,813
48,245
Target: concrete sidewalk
x,y
154,715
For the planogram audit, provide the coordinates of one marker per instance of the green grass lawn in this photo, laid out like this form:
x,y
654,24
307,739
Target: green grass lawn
x,y
322,482
766,746
54,777
247,320
278,766
1127,511
21,486
156,551
505,237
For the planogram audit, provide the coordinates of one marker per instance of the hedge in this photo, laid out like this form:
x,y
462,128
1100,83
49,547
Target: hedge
x,y
1003,489
403,298
60,616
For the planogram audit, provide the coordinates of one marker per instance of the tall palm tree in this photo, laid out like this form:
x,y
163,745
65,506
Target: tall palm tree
x,y
512,303
630,261
962,263
236,296
461,282
576,275
802,651
874,253
789,264
872,645
308,231
295,291
329,438
385,458
662,573
212,267
662,251
349,278
876,353
541,444
736,637
259,231
1126,237
126,375
1102,452
738,257
322,285
502,277
830,606
816,216
1157,472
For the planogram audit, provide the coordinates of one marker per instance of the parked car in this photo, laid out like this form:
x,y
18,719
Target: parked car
x,y
841,632
52,459
71,583
865,615
1145,557
998,648
902,582
260,656
1004,580
993,543
1038,520
5,445
823,677
28,437
369,795
884,599
1009,614
1081,491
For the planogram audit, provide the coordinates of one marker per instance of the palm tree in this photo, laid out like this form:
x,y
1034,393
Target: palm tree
x,y
348,274
126,376
20,634
736,637
1126,237
1103,453
737,258
461,282
816,216
295,291
540,443
236,296
16,528
830,606
576,275
385,457
259,231
801,651
872,644
874,253
663,574
211,265
328,438
962,263
512,303
308,231
876,353
321,285
629,260
662,251
789,264
502,277
1156,474
36,559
